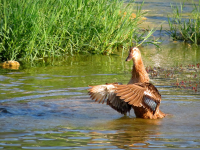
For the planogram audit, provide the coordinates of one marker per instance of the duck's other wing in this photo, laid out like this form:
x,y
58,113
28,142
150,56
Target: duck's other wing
x,y
140,95
106,93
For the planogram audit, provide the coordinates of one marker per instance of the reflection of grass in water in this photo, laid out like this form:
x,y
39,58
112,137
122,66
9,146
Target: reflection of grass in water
x,y
64,139
38,29
182,28
49,139
120,133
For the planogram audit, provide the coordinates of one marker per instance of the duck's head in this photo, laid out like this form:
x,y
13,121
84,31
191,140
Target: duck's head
x,y
134,53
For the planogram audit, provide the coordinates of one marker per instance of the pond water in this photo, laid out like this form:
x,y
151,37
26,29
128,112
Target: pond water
x,y
47,107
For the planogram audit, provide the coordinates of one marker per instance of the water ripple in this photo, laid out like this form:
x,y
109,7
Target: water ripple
x,y
40,96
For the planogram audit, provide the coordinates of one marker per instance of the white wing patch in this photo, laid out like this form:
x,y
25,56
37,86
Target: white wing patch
x,y
103,89
148,92
110,88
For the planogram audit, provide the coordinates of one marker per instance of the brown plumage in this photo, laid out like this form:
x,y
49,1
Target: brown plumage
x,y
139,94
102,93
139,73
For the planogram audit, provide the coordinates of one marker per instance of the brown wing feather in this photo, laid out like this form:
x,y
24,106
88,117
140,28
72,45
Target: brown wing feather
x,y
136,100
140,94
102,93
122,97
127,95
125,89
134,96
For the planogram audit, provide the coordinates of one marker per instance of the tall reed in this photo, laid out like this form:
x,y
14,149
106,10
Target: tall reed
x,y
34,29
185,28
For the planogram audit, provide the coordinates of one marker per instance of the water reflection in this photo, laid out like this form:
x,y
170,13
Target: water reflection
x,y
133,132
121,133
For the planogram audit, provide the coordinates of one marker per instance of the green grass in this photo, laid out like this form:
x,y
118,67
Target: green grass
x,y
33,29
185,27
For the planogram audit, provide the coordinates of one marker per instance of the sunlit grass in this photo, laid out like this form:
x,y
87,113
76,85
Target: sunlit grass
x,y
36,29
185,28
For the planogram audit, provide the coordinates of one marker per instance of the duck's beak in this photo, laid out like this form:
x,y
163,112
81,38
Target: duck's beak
x,y
130,56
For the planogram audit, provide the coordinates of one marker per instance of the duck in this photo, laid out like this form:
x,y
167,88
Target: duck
x,y
139,94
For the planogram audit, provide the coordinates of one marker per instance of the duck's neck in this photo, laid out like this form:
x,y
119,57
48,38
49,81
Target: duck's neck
x,y
139,73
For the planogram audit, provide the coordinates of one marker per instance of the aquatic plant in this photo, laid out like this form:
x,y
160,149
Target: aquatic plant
x,y
183,77
185,28
36,29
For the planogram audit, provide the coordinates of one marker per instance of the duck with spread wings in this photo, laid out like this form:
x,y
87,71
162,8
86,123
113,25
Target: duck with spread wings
x,y
138,94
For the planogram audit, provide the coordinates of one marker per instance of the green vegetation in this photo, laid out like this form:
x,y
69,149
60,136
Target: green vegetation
x,y
36,29
185,27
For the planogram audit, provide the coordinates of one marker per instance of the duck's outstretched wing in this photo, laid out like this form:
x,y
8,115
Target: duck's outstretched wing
x,y
106,93
140,95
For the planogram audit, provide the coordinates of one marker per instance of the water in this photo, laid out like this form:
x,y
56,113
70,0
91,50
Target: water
x,y
47,107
